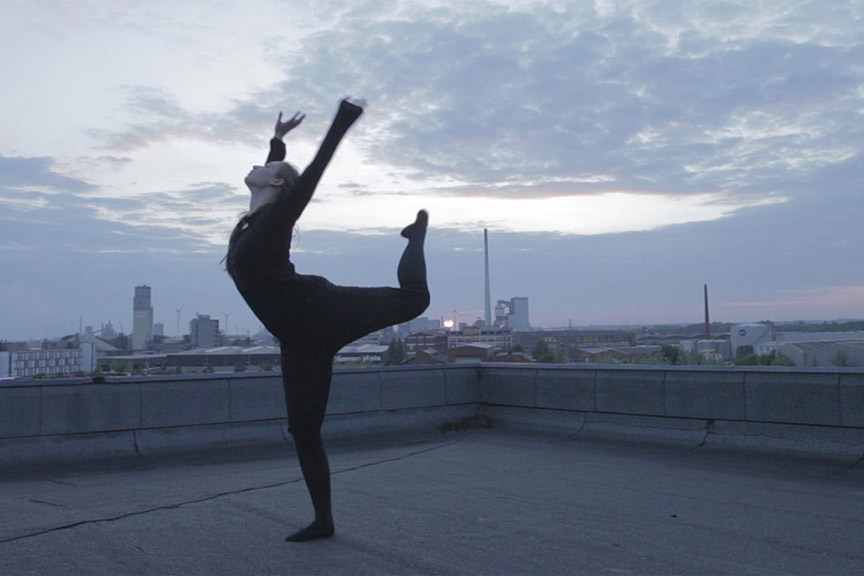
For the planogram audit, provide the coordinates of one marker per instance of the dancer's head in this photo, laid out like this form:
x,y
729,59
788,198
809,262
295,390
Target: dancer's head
x,y
273,174
267,182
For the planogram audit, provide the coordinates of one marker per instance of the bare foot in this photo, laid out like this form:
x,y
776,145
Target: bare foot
x,y
418,228
317,529
352,107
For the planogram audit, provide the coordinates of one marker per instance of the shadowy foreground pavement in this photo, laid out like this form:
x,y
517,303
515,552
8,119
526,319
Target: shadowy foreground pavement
x,y
466,502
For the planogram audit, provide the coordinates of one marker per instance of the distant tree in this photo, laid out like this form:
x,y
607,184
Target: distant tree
x,y
670,354
544,354
781,359
840,359
240,367
775,358
395,353
746,356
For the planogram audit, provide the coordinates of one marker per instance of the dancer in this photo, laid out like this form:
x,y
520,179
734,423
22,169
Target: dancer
x,y
311,317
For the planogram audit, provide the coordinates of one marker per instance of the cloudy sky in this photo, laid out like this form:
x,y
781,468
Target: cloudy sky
x,y
621,154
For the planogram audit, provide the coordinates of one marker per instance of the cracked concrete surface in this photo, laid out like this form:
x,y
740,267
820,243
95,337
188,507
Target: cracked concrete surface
x,y
482,501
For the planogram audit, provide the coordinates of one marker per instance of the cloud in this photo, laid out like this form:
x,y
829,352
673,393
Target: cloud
x,y
508,96
155,115
36,173
746,114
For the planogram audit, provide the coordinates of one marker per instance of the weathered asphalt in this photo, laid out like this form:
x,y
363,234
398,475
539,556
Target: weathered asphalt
x,y
495,501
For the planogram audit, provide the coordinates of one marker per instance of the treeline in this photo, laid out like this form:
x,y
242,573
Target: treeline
x,y
847,326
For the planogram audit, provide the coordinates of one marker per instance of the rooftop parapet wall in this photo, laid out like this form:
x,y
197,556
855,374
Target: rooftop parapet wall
x,y
819,397
43,419
799,409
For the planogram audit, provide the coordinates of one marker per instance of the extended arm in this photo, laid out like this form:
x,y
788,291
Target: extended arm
x,y
301,193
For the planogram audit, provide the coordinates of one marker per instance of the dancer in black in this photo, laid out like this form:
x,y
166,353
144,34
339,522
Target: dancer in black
x,y
311,317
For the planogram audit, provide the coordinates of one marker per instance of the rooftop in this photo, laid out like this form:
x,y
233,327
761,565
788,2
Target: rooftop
x,y
490,486
495,501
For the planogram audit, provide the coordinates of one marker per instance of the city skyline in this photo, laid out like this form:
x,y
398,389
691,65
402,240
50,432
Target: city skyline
x,y
621,154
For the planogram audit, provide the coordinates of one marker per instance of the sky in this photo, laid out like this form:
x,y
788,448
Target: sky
x,y
620,153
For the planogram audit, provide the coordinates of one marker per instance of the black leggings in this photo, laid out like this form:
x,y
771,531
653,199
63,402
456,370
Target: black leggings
x,y
313,318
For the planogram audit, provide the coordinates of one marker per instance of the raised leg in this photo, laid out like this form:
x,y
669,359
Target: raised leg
x,y
412,266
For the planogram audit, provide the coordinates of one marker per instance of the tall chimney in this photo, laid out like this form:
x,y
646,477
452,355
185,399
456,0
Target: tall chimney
x,y
707,321
488,303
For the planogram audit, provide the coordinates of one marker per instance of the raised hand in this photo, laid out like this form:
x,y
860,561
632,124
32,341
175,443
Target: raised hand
x,y
283,128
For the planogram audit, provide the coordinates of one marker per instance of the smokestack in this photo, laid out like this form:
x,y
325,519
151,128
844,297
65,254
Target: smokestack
x,y
707,321
488,303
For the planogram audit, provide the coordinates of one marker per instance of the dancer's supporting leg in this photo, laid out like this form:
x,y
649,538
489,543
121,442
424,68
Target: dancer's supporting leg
x,y
306,375
336,316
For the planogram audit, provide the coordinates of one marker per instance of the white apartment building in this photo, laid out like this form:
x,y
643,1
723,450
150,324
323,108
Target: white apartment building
x,y
30,363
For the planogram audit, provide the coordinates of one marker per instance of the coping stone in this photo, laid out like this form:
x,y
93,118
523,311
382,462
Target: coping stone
x,y
461,386
816,398
852,400
631,392
511,386
421,389
19,412
352,392
185,403
564,389
705,394
257,398
82,408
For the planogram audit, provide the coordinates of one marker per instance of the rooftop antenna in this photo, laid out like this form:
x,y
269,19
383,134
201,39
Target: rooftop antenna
x,y
707,321
488,302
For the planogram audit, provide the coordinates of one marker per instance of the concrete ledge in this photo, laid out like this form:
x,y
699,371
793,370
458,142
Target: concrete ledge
x,y
806,398
17,454
132,446
257,398
567,390
796,409
837,443
510,387
85,408
462,386
852,400
711,395
20,412
631,392
185,403
845,443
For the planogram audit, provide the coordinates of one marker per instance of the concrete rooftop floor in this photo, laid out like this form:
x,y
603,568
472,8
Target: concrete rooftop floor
x,y
482,501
